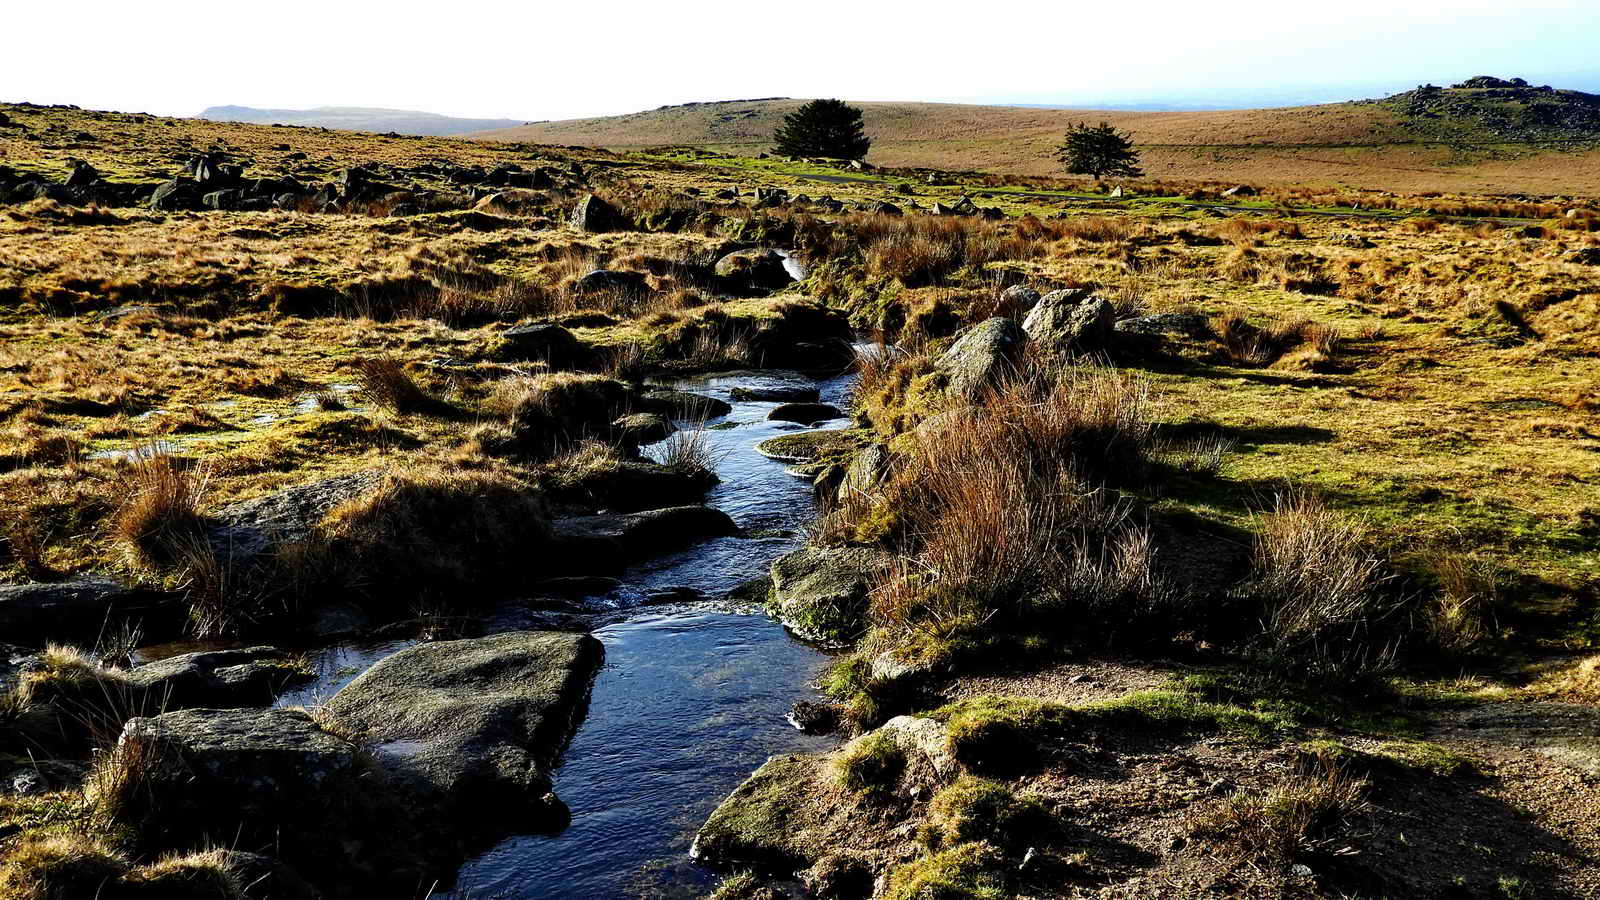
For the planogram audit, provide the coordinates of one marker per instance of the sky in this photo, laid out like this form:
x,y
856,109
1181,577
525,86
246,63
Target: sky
x,y
557,60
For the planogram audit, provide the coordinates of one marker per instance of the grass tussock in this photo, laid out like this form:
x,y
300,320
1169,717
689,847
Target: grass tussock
x,y
60,866
385,384
440,530
973,871
871,765
160,520
1305,816
546,414
1461,613
1325,595
1292,343
979,809
1003,516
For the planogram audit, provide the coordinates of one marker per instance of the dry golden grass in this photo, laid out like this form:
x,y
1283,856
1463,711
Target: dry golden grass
x,y
59,867
1577,681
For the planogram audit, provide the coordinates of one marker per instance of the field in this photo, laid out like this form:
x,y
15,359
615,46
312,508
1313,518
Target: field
x,y
1178,543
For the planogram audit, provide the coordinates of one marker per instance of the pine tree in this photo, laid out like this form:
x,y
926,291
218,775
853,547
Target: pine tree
x,y
830,128
1099,150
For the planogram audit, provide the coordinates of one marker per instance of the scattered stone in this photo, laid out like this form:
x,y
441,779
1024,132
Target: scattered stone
x,y
814,718
926,744
866,471
513,202
1020,296
73,611
1585,256
1070,322
614,281
543,341
216,678
805,413
1163,324
595,215
982,357
82,174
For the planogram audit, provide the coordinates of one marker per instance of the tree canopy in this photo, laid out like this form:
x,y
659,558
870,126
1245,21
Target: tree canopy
x,y
1099,150
830,128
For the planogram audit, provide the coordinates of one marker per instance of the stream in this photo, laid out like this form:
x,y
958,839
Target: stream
x,y
692,696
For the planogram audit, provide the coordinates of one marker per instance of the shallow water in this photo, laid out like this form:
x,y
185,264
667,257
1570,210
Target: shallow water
x,y
691,700
692,697
688,705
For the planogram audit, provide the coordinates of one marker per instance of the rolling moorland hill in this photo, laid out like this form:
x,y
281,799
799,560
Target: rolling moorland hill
x,y
357,118
1484,135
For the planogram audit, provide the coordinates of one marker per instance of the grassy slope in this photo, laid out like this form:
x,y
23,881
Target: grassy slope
x,y
1300,145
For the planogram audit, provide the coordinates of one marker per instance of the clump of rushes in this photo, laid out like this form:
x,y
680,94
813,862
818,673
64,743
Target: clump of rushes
x,y
689,451
1304,816
1324,590
160,519
1002,517
385,384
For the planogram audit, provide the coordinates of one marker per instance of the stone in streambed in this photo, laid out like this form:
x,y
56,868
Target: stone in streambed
x,y
774,394
683,405
602,543
805,413
476,725
820,593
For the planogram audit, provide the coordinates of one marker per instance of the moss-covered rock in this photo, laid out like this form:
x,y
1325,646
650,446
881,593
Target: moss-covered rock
x,y
770,822
983,357
820,593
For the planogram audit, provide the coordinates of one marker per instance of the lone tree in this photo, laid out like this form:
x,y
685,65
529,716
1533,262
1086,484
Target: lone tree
x,y
1099,150
830,128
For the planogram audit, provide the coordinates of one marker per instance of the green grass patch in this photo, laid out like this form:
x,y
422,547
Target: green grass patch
x,y
973,871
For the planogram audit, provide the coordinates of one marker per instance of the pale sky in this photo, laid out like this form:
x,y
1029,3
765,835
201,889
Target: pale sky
x,y
565,59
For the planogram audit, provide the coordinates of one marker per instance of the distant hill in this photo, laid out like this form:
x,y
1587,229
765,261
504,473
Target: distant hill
x,y
356,118
1484,134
